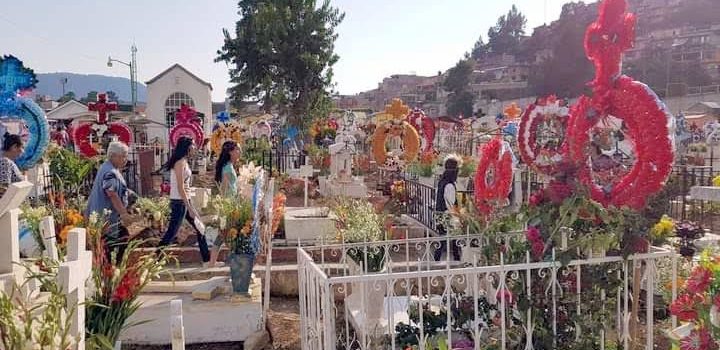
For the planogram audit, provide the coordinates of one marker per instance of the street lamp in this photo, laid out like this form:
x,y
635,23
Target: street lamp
x,y
133,73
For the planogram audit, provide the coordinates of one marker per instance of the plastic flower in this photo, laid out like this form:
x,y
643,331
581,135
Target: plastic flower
x,y
536,198
716,181
533,234
699,280
699,339
663,228
127,287
557,191
684,308
64,232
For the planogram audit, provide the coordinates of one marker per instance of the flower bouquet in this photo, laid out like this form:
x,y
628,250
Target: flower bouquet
x,y
358,222
155,211
117,287
233,217
688,231
698,307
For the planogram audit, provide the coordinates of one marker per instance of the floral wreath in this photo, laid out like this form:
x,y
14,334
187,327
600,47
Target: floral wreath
x,y
542,159
424,126
396,126
495,162
225,132
187,124
645,118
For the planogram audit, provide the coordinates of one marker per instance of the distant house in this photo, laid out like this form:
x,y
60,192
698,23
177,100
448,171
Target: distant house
x,y
68,111
167,92
701,113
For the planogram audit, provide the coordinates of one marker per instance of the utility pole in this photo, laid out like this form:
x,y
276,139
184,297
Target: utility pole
x,y
133,73
63,81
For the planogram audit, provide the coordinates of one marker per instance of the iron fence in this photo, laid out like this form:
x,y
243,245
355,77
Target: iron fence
x,y
421,202
409,299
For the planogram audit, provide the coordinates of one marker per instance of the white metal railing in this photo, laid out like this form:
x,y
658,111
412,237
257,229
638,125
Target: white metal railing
x,y
474,304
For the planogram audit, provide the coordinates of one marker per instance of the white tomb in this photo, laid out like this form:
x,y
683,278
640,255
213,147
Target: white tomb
x,y
308,224
341,181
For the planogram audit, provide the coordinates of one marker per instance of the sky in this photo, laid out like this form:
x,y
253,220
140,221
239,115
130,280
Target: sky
x,y
378,38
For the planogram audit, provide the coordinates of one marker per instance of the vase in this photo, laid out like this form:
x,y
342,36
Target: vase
x,y
241,266
367,297
462,184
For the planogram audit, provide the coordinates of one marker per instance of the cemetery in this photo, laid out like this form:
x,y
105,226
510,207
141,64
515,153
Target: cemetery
x,y
553,225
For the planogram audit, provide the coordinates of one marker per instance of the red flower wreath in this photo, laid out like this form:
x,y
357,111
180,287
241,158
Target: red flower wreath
x,y
543,160
644,116
498,161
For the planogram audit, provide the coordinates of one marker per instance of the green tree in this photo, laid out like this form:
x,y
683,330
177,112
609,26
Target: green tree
x,y
567,72
504,37
67,97
112,96
480,49
461,99
282,54
91,97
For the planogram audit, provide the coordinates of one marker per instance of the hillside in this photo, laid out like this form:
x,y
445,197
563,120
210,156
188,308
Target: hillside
x,y
81,84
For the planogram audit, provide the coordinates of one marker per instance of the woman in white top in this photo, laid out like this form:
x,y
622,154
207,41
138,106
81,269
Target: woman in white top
x,y
180,206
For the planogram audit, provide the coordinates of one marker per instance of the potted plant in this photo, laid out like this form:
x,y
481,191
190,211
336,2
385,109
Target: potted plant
x,y
235,221
359,225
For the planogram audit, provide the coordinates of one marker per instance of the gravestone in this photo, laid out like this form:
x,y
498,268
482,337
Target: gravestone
x,y
72,276
177,330
47,231
10,271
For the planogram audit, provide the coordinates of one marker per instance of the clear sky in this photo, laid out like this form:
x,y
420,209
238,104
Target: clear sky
x,y
378,37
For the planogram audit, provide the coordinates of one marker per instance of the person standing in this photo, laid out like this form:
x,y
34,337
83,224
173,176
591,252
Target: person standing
x,y
110,193
12,148
445,203
181,208
226,178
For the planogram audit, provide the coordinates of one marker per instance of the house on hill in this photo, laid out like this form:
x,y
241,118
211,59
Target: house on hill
x,y
167,92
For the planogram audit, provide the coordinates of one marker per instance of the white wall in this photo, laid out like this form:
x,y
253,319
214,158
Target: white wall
x,y
175,81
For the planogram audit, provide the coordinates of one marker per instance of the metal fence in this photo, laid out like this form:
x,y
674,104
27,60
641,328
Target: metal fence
x,y
51,185
409,299
421,202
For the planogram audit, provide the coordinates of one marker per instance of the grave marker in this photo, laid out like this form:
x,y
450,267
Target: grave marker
x,y
47,231
177,329
72,276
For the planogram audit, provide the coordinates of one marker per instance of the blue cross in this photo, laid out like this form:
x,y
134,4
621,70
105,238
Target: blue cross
x,y
14,77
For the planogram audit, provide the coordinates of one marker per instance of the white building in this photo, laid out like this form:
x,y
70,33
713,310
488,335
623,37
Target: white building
x,y
167,92
69,110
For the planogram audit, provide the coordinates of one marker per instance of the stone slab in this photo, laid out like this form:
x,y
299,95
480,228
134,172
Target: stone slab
x,y
352,189
210,289
307,228
211,321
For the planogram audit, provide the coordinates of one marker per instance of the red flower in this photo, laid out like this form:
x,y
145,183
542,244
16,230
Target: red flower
x,y
684,308
533,234
699,339
127,288
506,294
538,248
640,245
536,199
699,280
557,191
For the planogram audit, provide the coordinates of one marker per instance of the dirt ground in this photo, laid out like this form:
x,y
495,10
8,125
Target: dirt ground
x,y
284,327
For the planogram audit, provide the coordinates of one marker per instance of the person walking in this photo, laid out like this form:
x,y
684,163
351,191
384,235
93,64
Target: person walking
x,y
181,208
110,193
226,178
445,203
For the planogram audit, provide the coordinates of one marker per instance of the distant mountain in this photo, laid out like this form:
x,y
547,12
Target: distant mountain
x,y
81,84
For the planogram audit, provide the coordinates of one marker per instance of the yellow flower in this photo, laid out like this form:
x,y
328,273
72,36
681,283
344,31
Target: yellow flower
x,y
246,229
232,233
716,181
64,233
663,228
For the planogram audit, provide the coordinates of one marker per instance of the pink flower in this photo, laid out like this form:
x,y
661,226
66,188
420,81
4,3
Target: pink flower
x,y
699,280
698,339
536,199
538,248
506,294
533,234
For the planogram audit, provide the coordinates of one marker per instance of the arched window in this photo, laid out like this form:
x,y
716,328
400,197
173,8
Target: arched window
x,y
173,103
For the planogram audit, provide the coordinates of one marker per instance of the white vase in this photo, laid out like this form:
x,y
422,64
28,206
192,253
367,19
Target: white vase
x,y
462,183
367,296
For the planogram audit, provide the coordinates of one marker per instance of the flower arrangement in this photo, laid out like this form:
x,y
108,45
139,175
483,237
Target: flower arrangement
x,y
322,128
278,212
358,222
698,307
688,231
33,216
117,287
155,211
66,220
468,166
662,230
69,172
319,156
24,325
234,220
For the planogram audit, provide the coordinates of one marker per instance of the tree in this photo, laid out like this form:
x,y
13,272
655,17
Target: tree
x,y
112,96
282,54
91,97
67,97
567,72
504,37
460,101
480,50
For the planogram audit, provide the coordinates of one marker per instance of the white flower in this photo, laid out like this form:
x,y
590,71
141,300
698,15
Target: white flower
x,y
93,219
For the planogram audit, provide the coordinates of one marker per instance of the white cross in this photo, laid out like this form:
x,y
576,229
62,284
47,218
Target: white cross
x,y
177,329
9,234
72,276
